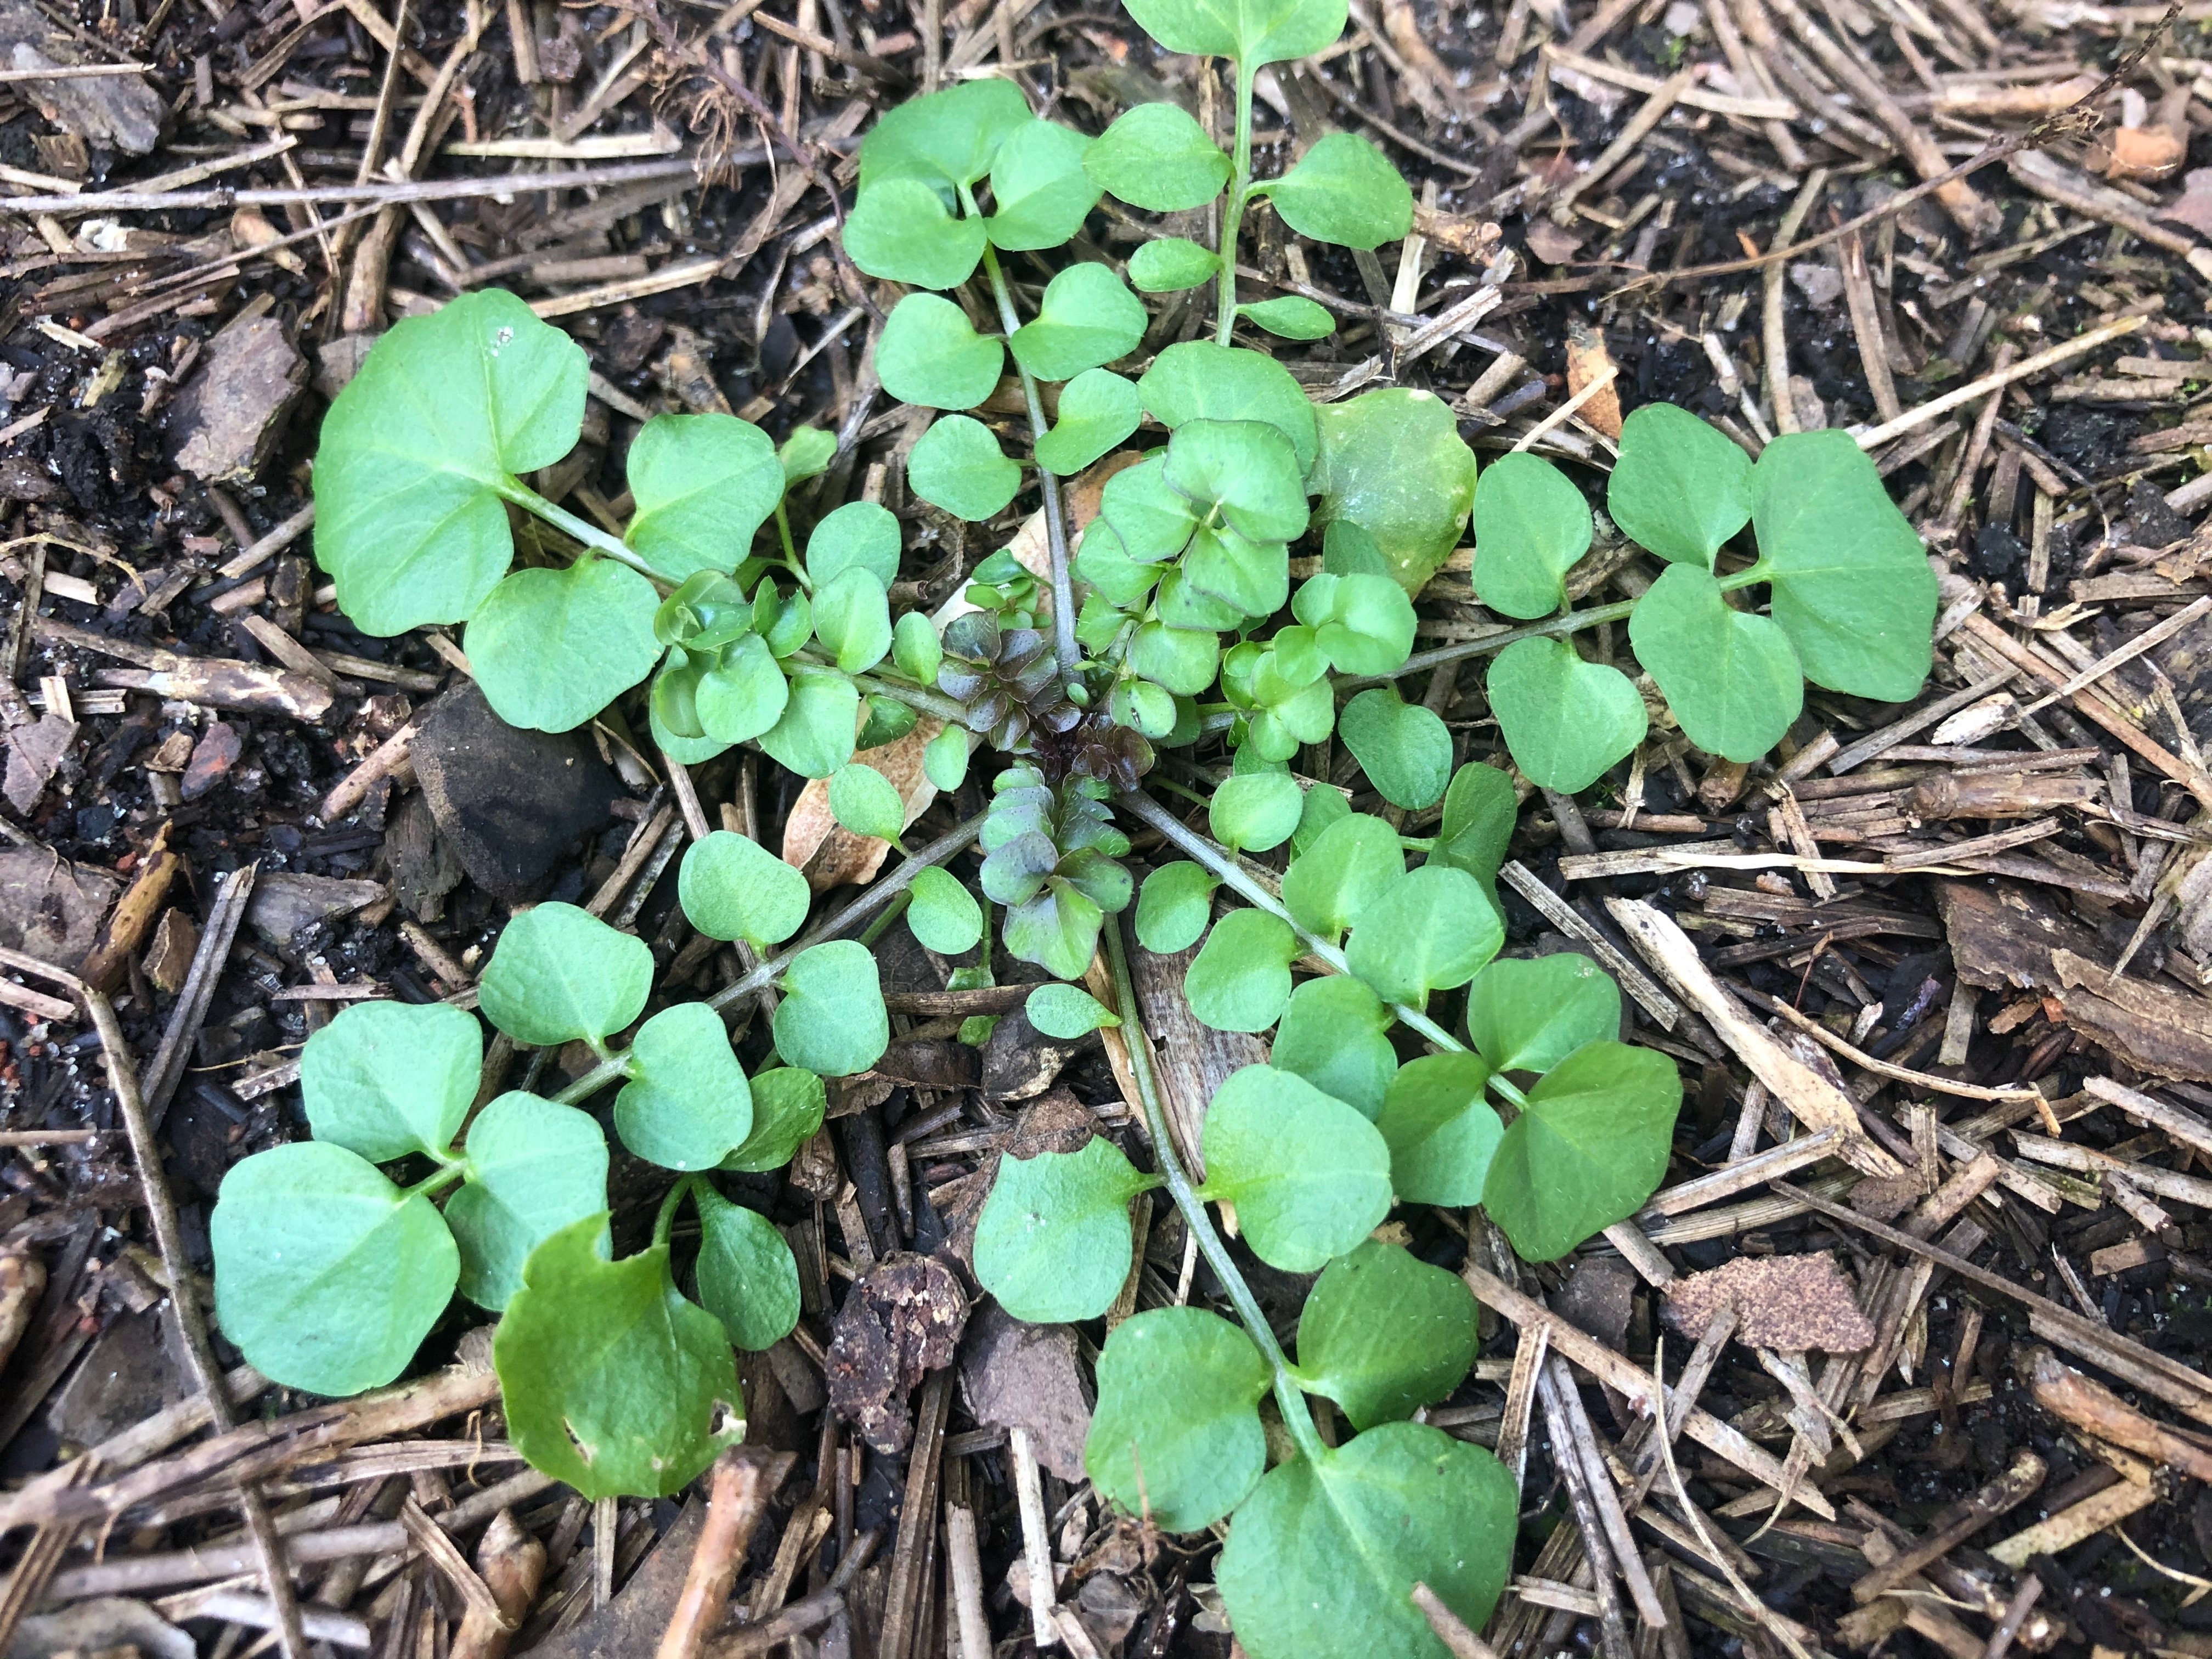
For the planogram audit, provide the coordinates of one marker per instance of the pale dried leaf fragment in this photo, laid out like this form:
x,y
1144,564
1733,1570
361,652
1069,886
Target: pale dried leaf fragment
x,y
1589,362
1789,1302
830,855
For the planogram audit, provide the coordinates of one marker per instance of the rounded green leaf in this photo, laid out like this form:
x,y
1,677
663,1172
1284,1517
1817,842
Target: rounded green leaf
x,y
687,1105
916,649
1402,747
942,913
1155,157
930,355
1334,1035
832,1021
1363,624
1441,1131
327,1277
1528,1014
1323,809
1589,1149
1430,930
806,453
1350,863
945,138
853,619
1097,410
386,1078
1679,486
1322,1561
1851,581
788,1105
1243,473
1241,979
748,1277
559,974
1392,464
814,735
1309,1175
1480,811
959,466
902,231
866,802
1086,318
731,887
1290,317
1255,812
1054,1242
444,411
1039,190
1177,1435
1344,191
1152,519
1531,524
1183,660
1384,1334
684,751
551,648
612,1383
944,757
702,483
862,533
1730,677
1067,1012
1169,263
1254,31
1198,380
1566,720
742,693
534,1167
1173,908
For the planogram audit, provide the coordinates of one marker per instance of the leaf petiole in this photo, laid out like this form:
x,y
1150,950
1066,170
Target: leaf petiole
x,y
580,529
1573,623
448,1171
663,1221
1232,211
1511,1091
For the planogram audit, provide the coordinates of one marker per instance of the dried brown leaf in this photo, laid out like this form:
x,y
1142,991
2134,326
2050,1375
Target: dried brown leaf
x,y
832,855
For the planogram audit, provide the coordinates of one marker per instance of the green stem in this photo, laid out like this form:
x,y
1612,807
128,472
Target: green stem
x,y
581,530
1511,1091
607,1071
790,553
1055,520
875,929
1224,864
1232,210
1758,571
664,1222
447,1172
916,698
1297,1416
1574,622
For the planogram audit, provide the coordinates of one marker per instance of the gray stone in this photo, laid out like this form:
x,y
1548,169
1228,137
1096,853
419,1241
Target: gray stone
x,y
284,903
120,112
49,908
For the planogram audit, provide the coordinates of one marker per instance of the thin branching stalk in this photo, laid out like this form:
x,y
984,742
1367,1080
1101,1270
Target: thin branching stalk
x,y
1572,622
1297,1417
1232,210
589,533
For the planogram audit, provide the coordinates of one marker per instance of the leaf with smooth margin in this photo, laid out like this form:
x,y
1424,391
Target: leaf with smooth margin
x,y
832,1021
1255,812
944,758
1402,747
1383,1334
1531,524
1053,1243
1255,33
1321,1562
1334,1035
552,649
1731,678
1566,721
534,1167
1173,907
1344,191
1290,317
814,735
387,1078
1167,265
559,974
1067,1012
748,1277
704,485
733,888
902,231
788,1105
1680,487
1481,809
1086,318
1363,624
957,466
1097,410
687,1105
942,913
1441,1131
931,355
1432,929
1154,156
945,138
1589,1149
1177,1435
1309,1175
1239,979
1851,582
1245,471
1152,519
414,454
1392,462
866,803
916,651
1198,380
1349,864
612,1383
327,1277
865,534
1038,187
743,694
1528,1014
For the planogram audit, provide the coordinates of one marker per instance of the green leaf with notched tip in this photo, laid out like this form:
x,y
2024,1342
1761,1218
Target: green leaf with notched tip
x,y
1531,524
1169,263
1402,747
859,533
832,1020
1350,863
1067,1012
1480,811
1155,157
418,449
1310,1176
1254,31
1198,380
1680,488
1244,473
687,1105
945,138
1566,721
1383,1334
1441,1131
559,974
1392,464
815,734
1589,1148
902,231
1039,192
387,1078
327,1277
1344,191
1097,410
1053,1243
1431,929
788,1105
957,466
1527,1015
534,1167
930,355
942,913
1177,1435
731,887
552,649
1730,677
1290,317
1086,318
1335,1036
1255,812
1241,979
702,483
611,1381
1174,905
748,1277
